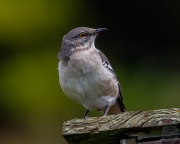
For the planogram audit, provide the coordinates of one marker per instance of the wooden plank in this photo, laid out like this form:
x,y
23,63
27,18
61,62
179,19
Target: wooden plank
x,y
167,141
128,141
112,128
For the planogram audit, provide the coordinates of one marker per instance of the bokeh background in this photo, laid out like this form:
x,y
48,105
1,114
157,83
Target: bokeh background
x,y
142,44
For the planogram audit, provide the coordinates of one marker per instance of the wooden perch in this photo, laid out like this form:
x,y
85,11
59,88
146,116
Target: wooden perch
x,y
137,126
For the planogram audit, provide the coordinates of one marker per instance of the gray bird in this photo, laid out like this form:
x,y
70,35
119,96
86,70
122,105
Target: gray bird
x,y
86,75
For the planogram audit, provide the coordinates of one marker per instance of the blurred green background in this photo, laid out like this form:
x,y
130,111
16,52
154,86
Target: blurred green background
x,y
142,45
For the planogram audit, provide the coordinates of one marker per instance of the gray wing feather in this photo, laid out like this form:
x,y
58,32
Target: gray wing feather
x,y
107,64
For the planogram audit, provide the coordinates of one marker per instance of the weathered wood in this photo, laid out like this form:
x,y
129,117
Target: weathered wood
x,y
167,141
128,141
111,129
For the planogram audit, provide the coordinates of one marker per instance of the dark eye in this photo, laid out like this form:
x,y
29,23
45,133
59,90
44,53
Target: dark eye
x,y
82,34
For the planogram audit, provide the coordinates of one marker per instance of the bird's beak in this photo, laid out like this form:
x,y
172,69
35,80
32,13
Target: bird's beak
x,y
98,30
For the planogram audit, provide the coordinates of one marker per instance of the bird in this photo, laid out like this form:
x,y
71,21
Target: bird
x,y
86,75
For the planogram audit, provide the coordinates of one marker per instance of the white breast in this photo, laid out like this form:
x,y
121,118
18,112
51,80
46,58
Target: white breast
x,y
85,80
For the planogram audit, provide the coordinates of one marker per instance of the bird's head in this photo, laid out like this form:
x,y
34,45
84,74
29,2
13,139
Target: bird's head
x,y
82,36
78,39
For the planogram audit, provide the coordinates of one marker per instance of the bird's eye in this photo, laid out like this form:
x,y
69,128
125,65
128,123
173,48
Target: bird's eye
x,y
82,34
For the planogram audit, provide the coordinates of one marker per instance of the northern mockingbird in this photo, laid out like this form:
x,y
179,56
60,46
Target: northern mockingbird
x,y
86,75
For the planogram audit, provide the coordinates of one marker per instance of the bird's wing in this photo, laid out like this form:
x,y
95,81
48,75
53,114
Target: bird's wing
x,y
107,64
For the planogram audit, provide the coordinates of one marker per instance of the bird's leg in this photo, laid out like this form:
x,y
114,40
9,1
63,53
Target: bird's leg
x,y
106,110
85,113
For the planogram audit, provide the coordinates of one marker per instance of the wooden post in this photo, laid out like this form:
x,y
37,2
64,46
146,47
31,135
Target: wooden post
x,y
126,128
